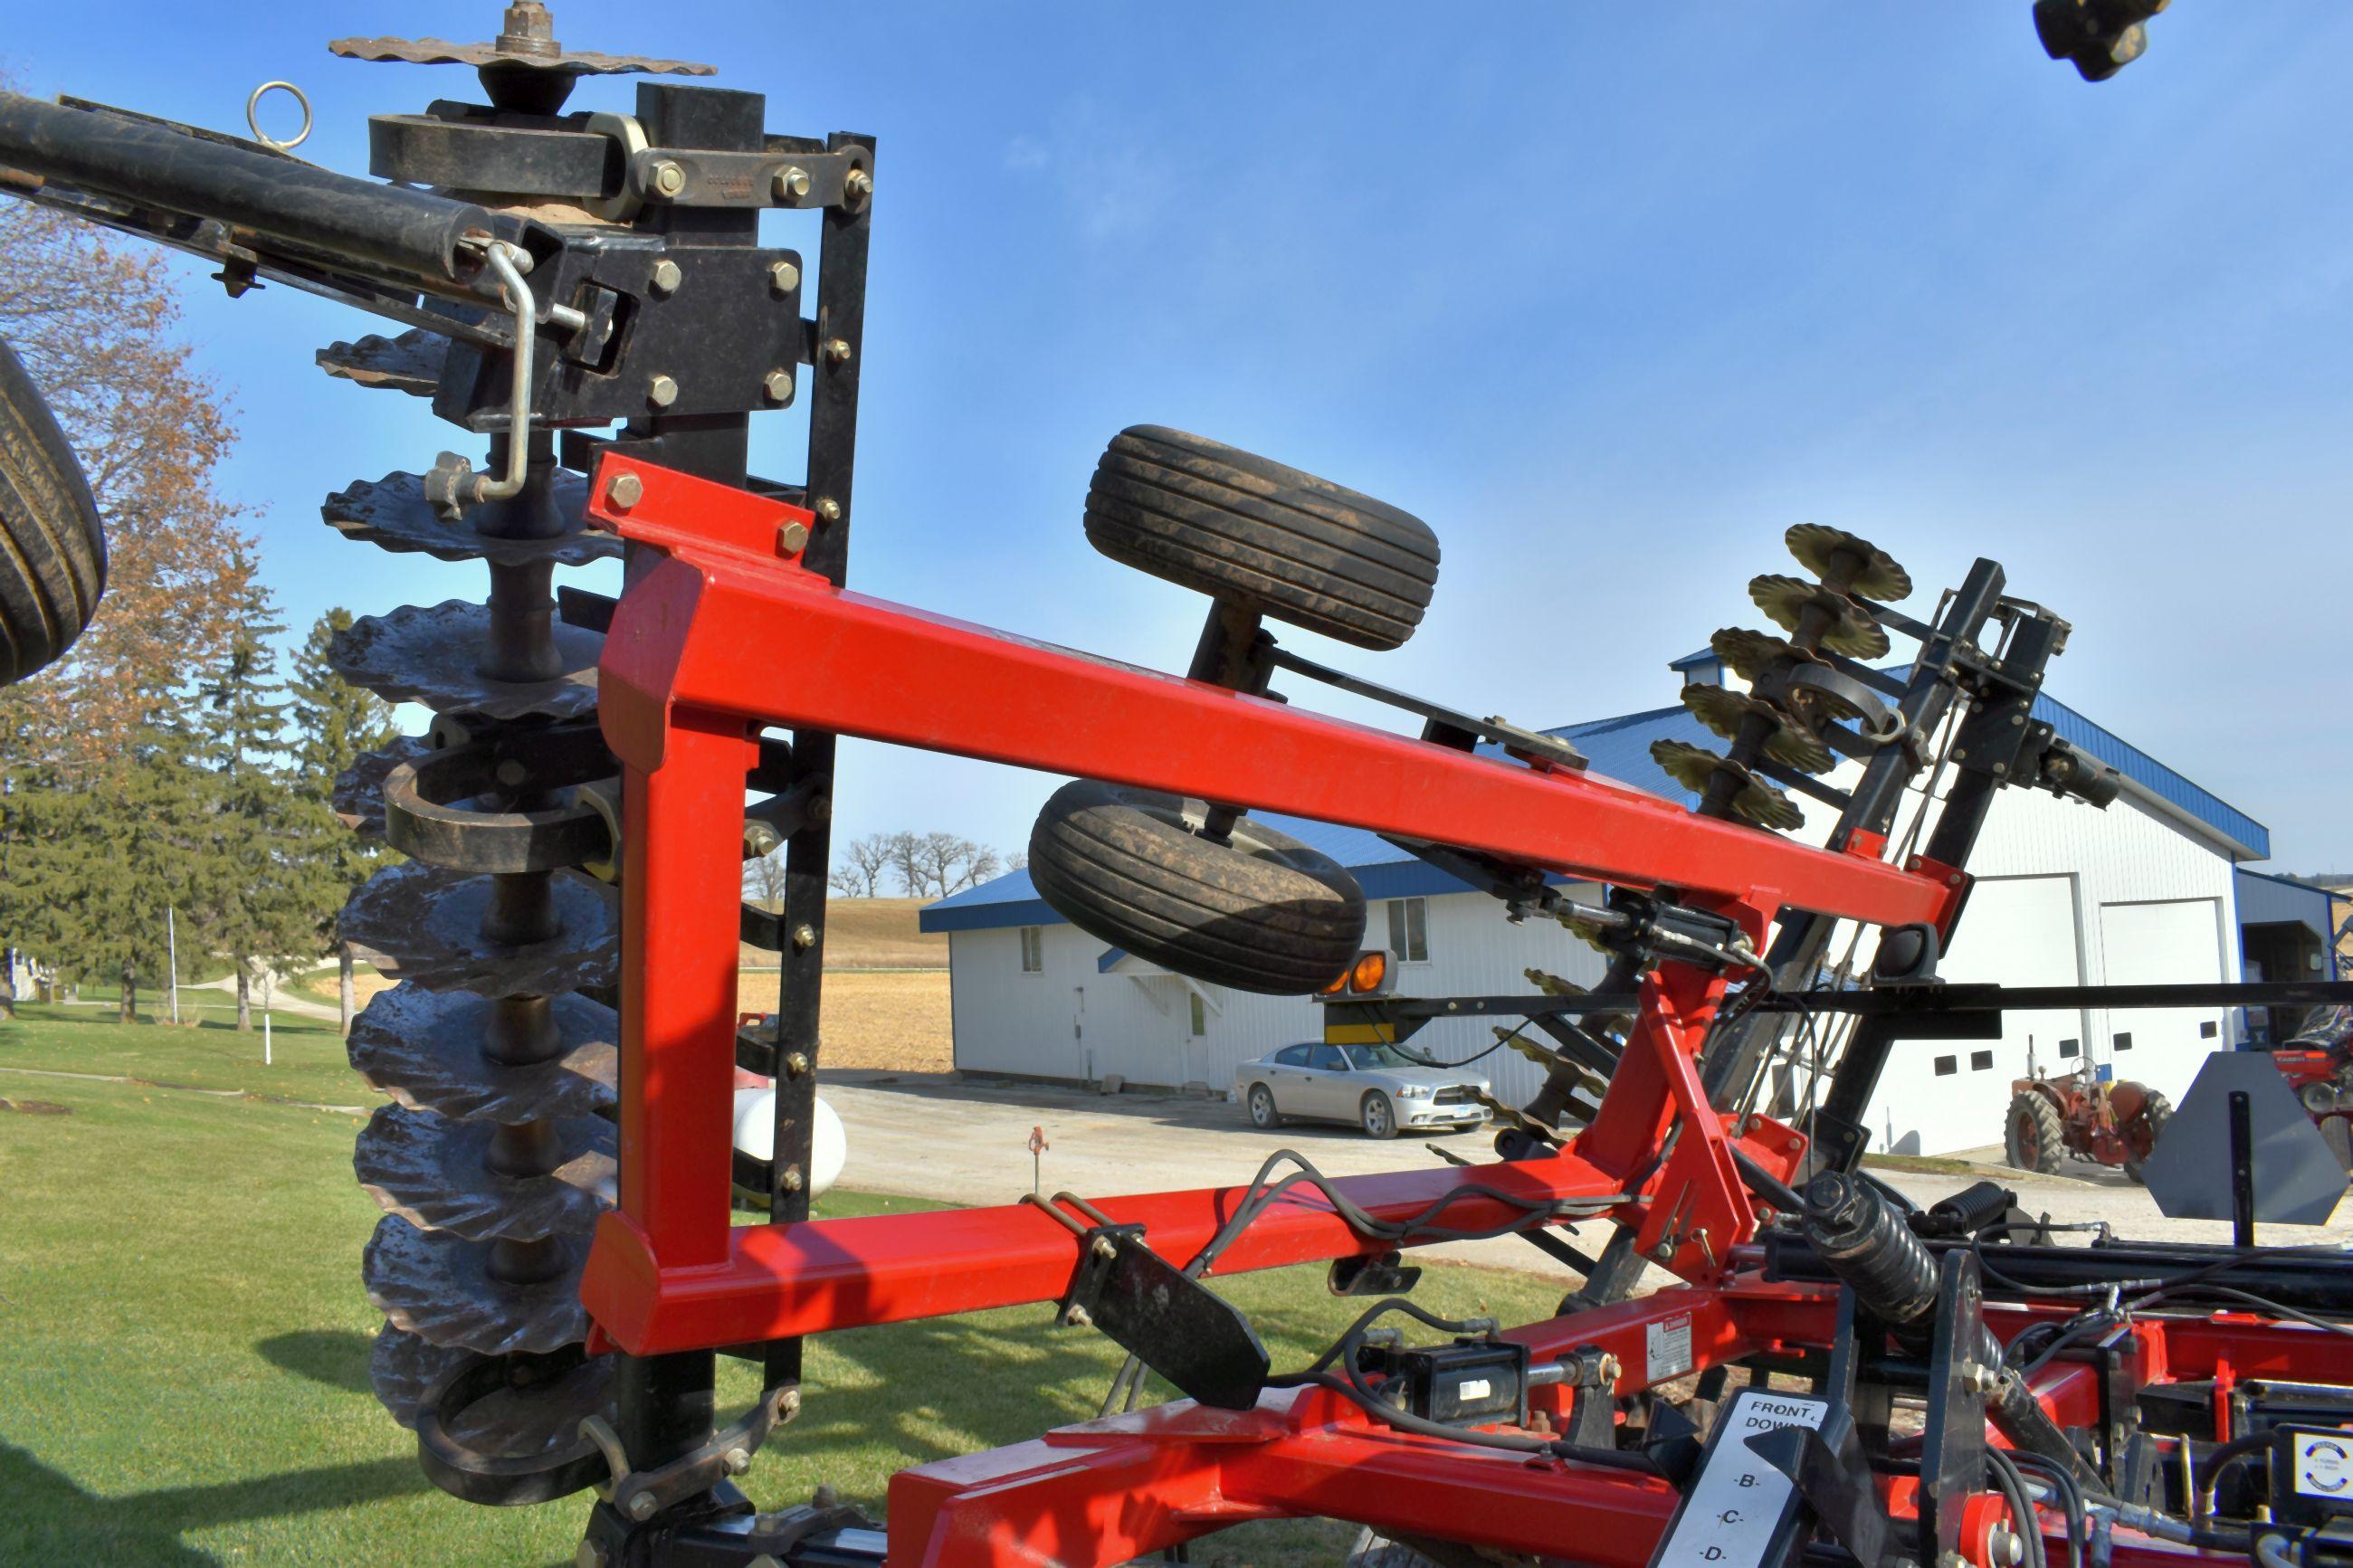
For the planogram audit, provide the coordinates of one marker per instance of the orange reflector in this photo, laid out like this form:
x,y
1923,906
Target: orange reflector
x,y
1338,981
1371,969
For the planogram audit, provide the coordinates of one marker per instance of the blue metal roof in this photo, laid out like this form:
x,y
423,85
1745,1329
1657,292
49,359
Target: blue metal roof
x,y
1619,749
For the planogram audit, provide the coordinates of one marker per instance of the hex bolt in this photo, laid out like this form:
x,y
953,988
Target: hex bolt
x,y
837,351
592,1554
857,186
821,808
797,1064
1078,1318
666,277
666,177
643,1507
661,392
778,386
828,508
784,276
792,182
625,491
1107,1248
738,1460
804,937
512,774
792,538
1979,1378
793,1178
790,1405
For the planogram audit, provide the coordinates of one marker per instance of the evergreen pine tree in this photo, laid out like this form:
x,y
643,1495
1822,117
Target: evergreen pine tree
x,y
335,722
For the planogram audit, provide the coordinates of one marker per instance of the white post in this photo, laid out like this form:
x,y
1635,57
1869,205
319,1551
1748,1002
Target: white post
x,y
266,978
172,945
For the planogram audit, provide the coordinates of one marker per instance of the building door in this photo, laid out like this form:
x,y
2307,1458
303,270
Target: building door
x,y
1937,1096
2175,942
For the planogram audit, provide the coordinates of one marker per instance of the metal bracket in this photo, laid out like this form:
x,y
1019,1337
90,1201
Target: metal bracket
x,y
1952,1449
1157,1313
639,1495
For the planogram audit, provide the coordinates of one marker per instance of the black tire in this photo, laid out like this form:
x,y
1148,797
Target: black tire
x,y
1262,914
1262,536
2155,1110
1377,1114
2032,1136
52,550
1262,1113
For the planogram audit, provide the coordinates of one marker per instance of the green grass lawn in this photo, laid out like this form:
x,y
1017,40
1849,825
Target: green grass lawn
x,y
183,1340
307,1060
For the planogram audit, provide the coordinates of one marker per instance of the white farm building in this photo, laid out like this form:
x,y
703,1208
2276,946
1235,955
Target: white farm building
x,y
2143,891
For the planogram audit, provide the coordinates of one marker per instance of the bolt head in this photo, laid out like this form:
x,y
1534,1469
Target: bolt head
x,y
625,491
784,276
643,1507
857,184
661,392
1105,1247
793,1178
738,1460
667,277
791,183
666,177
797,1063
790,1404
828,508
837,351
778,386
1078,1318
804,938
792,538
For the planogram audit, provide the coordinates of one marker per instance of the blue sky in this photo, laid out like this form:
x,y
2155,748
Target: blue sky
x,y
1611,295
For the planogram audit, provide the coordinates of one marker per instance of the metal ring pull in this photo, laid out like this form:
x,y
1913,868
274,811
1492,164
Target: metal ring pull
x,y
253,125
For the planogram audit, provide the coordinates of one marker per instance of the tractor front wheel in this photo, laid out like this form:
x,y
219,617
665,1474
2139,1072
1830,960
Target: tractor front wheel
x,y
2033,1137
2155,1110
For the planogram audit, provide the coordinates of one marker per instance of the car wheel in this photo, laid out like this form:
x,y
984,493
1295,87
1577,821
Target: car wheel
x,y
1262,1113
1379,1116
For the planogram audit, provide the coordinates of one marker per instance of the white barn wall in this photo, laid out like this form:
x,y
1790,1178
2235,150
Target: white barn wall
x,y
1073,1021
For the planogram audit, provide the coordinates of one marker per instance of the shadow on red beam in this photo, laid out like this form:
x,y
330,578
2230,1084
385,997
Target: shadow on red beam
x,y
1108,1491
788,1280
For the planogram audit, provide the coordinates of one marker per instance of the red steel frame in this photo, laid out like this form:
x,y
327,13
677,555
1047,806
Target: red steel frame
x,y
723,633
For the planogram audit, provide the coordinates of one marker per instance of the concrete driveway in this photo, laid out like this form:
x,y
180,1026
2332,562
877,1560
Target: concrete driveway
x,y
966,1141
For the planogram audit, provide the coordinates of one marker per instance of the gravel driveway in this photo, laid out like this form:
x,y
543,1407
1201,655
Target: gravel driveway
x,y
934,1136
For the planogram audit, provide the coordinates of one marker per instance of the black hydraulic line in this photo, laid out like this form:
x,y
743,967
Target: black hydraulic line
x,y
389,230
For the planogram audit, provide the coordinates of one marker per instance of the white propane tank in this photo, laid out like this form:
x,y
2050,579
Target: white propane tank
x,y
756,1135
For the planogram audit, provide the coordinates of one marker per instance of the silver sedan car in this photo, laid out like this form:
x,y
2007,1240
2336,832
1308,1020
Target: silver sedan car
x,y
1377,1088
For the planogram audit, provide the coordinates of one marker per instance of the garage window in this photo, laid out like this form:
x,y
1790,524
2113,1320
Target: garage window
x,y
2123,1042
1409,930
1033,949
1201,1015
1980,1060
1947,1066
2071,1047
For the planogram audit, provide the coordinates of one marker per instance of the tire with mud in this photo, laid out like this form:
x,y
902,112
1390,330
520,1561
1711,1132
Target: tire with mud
x,y
52,549
2032,1136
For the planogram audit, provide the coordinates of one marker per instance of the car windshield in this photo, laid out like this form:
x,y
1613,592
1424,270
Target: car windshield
x,y
1378,1058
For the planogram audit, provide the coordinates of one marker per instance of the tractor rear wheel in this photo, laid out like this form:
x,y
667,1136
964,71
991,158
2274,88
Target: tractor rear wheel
x,y
1260,911
1261,536
2155,1110
52,549
2033,1137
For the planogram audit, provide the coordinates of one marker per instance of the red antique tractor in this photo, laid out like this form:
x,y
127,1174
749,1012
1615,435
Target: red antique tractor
x,y
2319,1065
2079,1115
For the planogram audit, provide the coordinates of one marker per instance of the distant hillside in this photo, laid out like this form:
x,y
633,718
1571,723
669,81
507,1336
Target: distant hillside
x,y
872,933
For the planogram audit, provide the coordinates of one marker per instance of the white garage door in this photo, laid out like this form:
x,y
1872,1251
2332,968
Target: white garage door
x,y
2177,942
1937,1096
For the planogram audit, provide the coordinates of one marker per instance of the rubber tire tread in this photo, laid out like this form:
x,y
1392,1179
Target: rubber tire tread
x,y
52,548
2157,1110
2050,1132
1264,914
1264,536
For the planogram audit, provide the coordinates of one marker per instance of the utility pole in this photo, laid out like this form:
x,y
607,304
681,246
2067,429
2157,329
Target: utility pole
x,y
172,948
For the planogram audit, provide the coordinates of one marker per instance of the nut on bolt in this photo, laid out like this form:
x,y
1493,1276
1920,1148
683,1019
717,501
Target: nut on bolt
x,y
666,277
738,1460
792,182
642,1507
792,539
1107,1248
828,508
784,276
625,491
778,386
666,176
797,1064
857,186
837,351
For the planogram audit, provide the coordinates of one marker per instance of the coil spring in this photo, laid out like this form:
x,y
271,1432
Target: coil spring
x,y
1867,1244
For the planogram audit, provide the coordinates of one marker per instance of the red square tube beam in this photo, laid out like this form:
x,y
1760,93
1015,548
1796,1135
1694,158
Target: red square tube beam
x,y
729,634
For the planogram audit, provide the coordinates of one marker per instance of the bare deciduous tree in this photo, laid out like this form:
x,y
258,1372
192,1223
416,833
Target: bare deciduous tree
x,y
864,862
